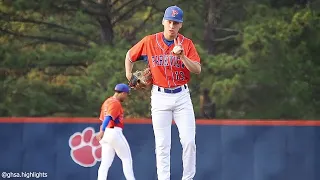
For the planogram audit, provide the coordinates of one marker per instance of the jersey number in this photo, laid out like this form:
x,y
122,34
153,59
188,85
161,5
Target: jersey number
x,y
179,75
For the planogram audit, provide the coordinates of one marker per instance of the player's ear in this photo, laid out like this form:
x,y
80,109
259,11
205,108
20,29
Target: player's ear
x,y
180,25
162,21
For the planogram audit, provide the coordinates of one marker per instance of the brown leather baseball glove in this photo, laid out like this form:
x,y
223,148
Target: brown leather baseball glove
x,y
141,79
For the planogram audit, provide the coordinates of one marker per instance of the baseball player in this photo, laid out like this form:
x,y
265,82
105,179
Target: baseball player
x,y
171,58
111,137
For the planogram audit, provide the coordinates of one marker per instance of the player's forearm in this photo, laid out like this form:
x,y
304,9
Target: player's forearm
x,y
192,66
128,65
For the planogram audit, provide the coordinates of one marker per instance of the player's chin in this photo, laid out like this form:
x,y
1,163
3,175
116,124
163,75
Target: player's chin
x,y
172,33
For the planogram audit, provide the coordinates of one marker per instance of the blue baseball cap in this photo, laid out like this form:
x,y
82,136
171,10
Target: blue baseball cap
x,y
122,88
173,13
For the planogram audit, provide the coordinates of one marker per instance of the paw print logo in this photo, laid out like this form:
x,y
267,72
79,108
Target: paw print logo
x,y
85,149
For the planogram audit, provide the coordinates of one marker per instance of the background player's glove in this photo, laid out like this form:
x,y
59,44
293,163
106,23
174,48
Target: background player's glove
x,y
141,79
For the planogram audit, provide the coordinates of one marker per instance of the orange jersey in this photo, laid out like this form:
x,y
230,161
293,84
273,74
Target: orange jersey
x,y
167,69
112,107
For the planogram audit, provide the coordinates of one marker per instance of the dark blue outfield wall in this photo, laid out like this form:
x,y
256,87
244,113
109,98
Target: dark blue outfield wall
x,y
224,152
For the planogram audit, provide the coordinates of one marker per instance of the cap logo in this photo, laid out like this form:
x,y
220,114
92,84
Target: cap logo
x,y
174,13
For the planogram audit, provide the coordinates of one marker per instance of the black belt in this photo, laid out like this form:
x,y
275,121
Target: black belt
x,y
172,91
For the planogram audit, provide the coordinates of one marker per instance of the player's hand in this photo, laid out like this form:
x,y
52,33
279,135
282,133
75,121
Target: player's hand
x,y
129,76
177,49
99,136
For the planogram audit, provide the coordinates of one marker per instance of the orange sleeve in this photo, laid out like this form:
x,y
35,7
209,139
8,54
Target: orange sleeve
x,y
113,110
192,53
138,51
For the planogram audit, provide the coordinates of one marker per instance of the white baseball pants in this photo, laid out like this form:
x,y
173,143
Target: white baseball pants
x,y
114,142
179,107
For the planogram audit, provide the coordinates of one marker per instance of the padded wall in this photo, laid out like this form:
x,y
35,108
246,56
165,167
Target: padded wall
x,y
223,152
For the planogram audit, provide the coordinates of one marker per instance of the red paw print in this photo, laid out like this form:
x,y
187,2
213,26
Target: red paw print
x,y
85,148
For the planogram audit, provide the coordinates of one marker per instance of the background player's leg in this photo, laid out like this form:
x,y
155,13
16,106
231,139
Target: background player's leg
x,y
107,156
184,118
161,121
123,151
